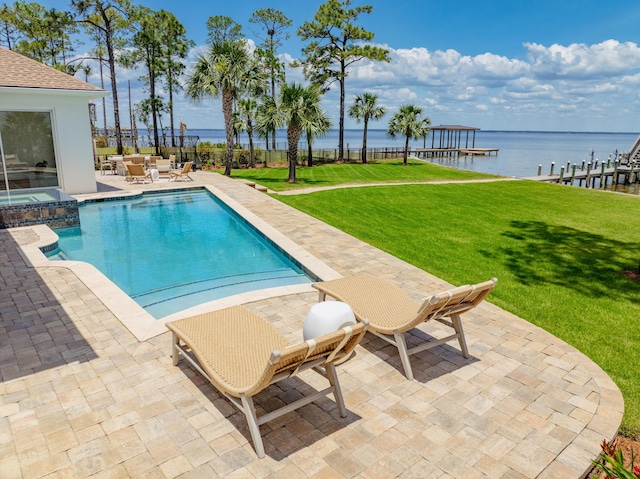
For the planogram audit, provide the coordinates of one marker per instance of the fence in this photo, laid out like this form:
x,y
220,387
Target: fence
x,y
214,157
186,149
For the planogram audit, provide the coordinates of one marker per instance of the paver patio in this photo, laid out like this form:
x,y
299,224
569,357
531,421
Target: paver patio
x,y
81,396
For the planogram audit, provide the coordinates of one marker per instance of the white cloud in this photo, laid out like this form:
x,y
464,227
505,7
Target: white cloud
x,y
583,61
573,79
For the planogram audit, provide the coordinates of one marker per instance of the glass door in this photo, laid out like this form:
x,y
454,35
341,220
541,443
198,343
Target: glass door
x,y
26,150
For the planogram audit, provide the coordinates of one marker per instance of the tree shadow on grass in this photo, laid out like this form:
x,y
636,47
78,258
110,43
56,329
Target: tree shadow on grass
x,y
588,263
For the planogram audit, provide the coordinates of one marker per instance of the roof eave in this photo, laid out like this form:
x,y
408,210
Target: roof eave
x,y
89,94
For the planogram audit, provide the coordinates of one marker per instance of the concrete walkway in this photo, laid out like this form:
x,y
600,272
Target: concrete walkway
x,y
80,396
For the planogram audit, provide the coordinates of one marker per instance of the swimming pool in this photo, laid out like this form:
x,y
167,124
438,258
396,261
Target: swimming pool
x,y
171,251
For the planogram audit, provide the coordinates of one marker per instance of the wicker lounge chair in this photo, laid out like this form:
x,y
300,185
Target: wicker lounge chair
x,y
241,354
138,173
392,312
182,173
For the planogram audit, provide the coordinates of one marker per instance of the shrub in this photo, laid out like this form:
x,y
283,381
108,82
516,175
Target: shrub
x,y
613,462
101,142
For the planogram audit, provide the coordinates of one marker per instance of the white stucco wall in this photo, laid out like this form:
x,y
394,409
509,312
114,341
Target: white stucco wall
x,y
71,131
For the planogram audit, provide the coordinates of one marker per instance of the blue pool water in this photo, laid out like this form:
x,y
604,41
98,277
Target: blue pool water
x,y
172,251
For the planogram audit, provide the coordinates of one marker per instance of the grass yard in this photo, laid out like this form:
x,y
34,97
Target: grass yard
x,y
557,252
355,173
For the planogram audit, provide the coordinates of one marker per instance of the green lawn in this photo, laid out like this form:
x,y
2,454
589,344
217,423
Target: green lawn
x,y
557,251
374,172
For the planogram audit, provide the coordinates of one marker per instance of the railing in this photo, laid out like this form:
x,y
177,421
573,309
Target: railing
x,y
214,157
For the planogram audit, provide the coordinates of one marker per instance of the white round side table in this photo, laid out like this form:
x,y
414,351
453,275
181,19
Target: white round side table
x,y
326,317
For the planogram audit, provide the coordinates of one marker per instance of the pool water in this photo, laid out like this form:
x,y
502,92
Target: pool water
x,y
172,251
8,198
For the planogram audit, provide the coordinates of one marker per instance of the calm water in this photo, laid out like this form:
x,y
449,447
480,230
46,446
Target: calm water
x,y
172,251
520,152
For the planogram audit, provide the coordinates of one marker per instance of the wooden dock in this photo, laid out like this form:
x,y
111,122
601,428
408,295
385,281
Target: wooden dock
x,y
432,152
478,151
627,173
451,143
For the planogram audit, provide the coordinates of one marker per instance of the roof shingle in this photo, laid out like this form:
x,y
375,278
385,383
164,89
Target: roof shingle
x,y
21,72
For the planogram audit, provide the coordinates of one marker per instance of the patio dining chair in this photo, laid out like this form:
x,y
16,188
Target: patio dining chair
x,y
392,312
182,173
241,354
106,164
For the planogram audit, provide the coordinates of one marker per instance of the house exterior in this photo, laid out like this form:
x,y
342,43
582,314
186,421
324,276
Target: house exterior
x,y
45,132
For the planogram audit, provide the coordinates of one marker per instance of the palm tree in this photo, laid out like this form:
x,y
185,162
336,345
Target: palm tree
x,y
297,107
226,70
267,113
315,127
407,123
364,108
247,111
424,130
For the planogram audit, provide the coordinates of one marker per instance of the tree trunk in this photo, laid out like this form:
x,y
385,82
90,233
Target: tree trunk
x,y
406,149
252,160
227,111
173,133
114,87
104,101
273,132
154,110
341,124
273,93
309,153
364,141
293,136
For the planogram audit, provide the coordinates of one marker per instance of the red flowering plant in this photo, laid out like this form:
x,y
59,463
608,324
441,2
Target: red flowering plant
x,y
612,462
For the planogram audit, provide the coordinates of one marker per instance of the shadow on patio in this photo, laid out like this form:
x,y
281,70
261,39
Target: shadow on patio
x,y
37,332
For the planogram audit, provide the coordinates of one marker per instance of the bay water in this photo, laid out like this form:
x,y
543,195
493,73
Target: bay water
x,y
519,155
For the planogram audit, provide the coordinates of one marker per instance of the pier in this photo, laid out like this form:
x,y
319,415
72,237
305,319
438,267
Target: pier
x,y
450,142
625,167
589,173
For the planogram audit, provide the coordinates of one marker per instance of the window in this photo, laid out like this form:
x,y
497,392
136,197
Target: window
x,y
27,152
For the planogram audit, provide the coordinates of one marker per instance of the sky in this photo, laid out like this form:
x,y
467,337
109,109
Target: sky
x,y
540,65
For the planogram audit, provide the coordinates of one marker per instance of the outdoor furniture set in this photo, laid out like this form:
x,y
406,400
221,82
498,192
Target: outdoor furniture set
x,y
241,353
140,168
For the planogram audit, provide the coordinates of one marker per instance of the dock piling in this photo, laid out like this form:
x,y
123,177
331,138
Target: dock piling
x,y
539,170
553,165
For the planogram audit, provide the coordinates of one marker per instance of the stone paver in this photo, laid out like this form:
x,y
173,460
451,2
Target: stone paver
x,y
81,395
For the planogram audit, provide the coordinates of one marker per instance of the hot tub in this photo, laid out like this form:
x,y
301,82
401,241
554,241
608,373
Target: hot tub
x,y
33,207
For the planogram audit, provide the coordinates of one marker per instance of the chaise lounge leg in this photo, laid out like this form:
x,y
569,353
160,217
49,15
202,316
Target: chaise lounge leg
x,y
457,325
404,354
321,296
175,353
337,392
252,420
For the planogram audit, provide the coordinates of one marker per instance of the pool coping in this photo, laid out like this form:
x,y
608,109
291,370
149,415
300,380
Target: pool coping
x,y
138,321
